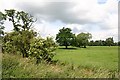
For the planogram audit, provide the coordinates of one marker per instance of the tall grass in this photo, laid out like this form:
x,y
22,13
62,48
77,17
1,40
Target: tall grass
x,y
17,67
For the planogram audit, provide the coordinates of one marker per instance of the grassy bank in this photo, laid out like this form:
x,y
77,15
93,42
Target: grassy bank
x,y
14,66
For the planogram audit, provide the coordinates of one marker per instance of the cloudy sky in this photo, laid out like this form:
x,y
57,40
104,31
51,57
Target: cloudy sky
x,y
98,17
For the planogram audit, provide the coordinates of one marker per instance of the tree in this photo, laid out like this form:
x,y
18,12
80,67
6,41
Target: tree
x,y
109,41
65,37
82,39
118,43
23,40
2,18
91,43
22,34
20,20
99,43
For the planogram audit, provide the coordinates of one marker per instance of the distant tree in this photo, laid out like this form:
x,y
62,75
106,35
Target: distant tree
x,y
65,37
91,43
82,39
96,43
115,44
118,43
74,40
109,41
99,43
104,43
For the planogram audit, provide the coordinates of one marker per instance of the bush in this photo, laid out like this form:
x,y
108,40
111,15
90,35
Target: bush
x,y
9,42
15,42
26,44
42,49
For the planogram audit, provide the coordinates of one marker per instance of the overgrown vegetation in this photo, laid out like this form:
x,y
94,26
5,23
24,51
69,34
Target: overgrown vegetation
x,y
42,49
15,66
27,55
23,39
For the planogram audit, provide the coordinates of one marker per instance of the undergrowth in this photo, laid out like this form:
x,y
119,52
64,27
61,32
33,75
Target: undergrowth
x,y
14,66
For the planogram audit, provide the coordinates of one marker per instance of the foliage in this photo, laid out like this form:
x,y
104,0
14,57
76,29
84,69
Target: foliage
x,y
15,42
42,49
19,39
2,18
82,39
23,40
97,43
118,43
65,37
21,21
109,41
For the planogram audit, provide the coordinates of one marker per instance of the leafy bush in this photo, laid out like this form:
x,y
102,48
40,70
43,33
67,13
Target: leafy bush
x,y
27,45
42,49
15,42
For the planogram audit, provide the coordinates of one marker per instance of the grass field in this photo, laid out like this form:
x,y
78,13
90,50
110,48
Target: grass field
x,y
92,62
92,56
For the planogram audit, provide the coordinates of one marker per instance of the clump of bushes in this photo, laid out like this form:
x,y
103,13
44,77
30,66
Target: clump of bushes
x,y
23,39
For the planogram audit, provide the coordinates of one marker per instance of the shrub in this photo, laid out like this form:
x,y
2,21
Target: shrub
x,y
15,42
42,49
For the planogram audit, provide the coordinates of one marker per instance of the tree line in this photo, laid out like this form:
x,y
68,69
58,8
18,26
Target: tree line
x,y
108,42
66,38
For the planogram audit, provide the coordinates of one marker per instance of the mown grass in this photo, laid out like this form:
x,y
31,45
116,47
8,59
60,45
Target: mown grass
x,y
92,56
14,66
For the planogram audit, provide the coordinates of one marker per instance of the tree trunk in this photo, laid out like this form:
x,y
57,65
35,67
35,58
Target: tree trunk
x,y
66,47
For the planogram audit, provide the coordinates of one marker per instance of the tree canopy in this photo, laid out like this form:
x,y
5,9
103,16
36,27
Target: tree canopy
x,y
109,41
82,39
65,37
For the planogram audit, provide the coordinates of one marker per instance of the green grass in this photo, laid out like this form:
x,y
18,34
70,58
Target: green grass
x,y
15,66
92,56
74,63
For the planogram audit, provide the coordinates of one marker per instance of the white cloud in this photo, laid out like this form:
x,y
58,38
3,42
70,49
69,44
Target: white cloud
x,y
79,15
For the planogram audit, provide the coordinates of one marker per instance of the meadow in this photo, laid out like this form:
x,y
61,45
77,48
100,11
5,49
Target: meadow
x,y
92,56
90,62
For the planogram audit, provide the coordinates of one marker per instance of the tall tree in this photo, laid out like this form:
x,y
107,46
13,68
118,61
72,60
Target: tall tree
x,y
22,34
82,39
65,37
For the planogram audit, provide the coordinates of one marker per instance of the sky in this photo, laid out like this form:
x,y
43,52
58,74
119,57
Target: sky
x,y
98,17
